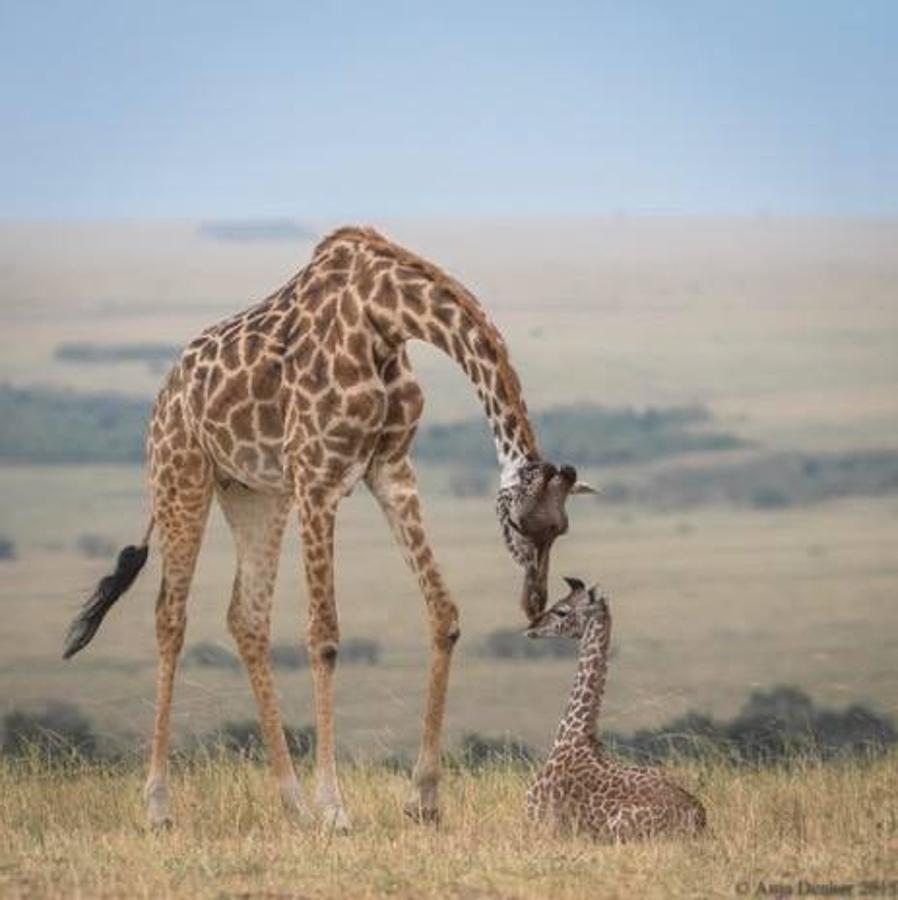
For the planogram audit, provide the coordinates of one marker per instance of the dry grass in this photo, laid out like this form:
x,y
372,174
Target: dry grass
x,y
81,833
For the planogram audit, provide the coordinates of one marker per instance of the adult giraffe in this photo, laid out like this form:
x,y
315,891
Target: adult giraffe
x,y
292,402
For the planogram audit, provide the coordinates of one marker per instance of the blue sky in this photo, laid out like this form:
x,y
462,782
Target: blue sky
x,y
221,109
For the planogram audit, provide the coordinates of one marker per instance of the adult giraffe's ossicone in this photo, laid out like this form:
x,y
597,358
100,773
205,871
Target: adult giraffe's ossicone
x,y
291,403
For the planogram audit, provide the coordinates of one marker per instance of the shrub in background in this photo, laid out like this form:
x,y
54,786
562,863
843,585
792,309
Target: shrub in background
x,y
212,655
512,643
60,731
244,738
95,546
479,751
352,650
772,727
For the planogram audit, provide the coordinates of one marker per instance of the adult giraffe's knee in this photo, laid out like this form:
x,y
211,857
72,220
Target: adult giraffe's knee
x,y
446,634
249,628
171,616
323,640
444,623
325,655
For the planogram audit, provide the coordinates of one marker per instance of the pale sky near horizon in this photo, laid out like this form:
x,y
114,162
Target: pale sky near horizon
x,y
349,109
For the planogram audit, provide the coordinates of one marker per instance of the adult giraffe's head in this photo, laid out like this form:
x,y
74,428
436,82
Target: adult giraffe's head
x,y
532,514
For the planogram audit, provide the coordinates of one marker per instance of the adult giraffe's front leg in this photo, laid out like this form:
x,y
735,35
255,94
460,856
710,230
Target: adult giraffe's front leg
x,y
318,511
395,487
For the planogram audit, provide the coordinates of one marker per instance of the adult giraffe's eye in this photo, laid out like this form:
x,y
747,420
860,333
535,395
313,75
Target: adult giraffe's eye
x,y
560,612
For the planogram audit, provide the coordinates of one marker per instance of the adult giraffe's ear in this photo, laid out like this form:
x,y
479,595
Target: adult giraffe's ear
x,y
583,487
575,584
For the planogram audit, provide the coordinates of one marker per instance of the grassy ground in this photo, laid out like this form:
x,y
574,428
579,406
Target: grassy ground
x,y
81,834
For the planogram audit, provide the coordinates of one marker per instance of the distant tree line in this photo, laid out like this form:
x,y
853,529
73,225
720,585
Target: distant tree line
x,y
244,738
774,727
95,546
58,732
768,482
52,425
587,434
478,751
62,733
512,643
211,654
48,425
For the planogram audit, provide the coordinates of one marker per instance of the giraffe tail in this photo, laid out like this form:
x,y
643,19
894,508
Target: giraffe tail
x,y
85,625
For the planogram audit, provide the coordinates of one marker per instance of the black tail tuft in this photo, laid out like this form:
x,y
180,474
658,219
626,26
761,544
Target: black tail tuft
x,y
130,561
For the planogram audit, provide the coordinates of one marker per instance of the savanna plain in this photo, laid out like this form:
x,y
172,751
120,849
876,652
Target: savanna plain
x,y
783,332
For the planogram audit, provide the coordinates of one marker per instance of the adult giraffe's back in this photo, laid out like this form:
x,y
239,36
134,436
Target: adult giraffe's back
x,y
292,402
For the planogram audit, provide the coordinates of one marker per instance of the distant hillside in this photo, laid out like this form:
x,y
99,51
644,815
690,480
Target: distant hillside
x,y
587,435
771,481
46,425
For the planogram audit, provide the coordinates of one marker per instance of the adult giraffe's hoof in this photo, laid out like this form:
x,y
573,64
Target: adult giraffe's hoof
x,y
300,816
424,815
156,798
160,824
335,821
295,807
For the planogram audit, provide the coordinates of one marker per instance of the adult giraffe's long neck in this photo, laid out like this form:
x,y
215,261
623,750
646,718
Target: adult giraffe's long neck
x,y
405,298
582,714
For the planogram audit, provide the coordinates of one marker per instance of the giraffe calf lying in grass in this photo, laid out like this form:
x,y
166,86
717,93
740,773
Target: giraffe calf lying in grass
x,y
582,787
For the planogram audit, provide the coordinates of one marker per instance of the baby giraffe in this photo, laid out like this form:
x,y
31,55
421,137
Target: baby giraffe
x,y
582,787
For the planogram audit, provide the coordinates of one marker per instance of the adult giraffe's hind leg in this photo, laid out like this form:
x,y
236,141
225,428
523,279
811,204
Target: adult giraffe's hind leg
x,y
395,487
257,523
318,511
181,498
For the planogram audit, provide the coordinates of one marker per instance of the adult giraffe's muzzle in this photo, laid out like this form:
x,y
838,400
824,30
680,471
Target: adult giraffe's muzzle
x,y
545,521
535,591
